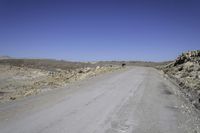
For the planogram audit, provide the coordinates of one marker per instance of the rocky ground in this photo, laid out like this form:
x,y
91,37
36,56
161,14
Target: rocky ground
x,y
20,81
185,70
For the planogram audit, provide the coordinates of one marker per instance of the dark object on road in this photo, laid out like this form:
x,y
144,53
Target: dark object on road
x,y
123,65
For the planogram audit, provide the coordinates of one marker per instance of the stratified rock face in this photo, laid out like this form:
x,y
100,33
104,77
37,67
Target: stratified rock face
x,y
186,71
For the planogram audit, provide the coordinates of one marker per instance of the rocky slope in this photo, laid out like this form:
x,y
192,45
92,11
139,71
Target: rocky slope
x,y
21,79
186,71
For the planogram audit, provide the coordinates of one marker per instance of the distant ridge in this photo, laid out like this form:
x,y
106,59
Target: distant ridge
x,y
5,57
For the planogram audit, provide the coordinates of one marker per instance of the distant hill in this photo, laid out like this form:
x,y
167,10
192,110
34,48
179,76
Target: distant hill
x,y
133,63
5,57
45,64
52,64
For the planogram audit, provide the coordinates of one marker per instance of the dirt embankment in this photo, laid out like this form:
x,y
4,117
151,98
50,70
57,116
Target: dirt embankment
x,y
19,79
186,71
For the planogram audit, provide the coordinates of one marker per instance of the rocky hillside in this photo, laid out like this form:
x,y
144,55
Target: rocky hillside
x,y
186,71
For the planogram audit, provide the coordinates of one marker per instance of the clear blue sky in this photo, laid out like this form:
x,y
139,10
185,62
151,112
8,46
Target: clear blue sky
x,y
151,30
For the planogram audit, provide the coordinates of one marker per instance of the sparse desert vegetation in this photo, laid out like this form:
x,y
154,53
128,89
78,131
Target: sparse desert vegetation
x,y
24,77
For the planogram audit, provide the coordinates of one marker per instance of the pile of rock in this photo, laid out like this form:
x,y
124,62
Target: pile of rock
x,y
186,71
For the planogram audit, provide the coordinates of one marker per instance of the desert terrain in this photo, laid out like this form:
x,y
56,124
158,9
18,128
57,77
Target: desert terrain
x,y
23,77
44,96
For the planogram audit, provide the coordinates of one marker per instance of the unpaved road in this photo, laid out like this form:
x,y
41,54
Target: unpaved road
x,y
135,100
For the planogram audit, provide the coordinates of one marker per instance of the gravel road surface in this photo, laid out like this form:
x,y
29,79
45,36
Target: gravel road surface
x,y
133,100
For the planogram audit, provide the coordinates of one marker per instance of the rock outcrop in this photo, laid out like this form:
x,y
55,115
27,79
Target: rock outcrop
x,y
191,56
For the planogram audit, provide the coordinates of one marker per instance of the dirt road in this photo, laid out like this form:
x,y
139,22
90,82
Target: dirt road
x,y
135,100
